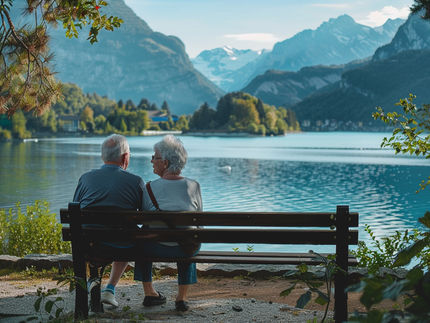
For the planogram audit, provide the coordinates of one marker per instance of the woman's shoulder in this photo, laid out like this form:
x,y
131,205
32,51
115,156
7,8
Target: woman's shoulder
x,y
191,181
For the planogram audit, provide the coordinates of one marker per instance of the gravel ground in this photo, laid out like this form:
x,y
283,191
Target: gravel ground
x,y
18,304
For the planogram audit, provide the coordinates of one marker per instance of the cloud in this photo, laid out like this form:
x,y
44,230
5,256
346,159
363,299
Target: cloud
x,y
331,5
256,37
379,17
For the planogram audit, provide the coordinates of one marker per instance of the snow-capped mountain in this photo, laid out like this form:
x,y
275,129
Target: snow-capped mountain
x,y
396,69
218,64
337,41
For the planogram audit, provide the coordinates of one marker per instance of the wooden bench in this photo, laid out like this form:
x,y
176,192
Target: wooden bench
x,y
212,227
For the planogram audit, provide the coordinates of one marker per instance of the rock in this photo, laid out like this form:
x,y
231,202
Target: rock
x,y
7,261
237,308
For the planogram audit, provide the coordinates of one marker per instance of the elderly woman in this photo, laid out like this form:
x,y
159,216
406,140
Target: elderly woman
x,y
171,192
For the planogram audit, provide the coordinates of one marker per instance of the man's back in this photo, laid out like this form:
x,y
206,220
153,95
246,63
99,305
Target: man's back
x,y
109,186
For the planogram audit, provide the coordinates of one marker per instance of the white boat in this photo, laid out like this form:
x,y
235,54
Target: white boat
x,y
30,140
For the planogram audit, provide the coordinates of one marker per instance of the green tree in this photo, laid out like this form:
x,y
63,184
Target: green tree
x,y
270,121
100,123
19,129
123,126
260,110
165,108
130,106
182,124
153,107
244,113
108,128
46,122
144,104
142,121
87,117
5,134
26,79
203,118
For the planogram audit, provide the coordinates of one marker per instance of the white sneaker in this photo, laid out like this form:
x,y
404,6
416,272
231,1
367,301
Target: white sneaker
x,y
92,282
108,298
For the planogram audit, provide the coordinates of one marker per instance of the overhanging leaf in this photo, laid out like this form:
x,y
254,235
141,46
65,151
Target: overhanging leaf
x,y
322,298
37,304
58,312
48,306
425,219
414,275
288,290
405,256
303,300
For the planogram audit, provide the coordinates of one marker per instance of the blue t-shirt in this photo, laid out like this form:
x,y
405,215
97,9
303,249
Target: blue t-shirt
x,y
110,186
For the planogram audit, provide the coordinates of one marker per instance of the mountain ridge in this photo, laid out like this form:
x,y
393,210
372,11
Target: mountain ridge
x,y
132,62
336,41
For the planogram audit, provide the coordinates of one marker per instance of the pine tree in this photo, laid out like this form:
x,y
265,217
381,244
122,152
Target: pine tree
x,y
165,107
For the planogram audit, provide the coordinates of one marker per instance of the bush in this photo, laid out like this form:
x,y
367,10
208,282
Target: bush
x,y
384,251
36,231
5,134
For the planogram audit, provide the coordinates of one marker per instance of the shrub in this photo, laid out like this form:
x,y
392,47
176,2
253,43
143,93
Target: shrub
x,y
384,251
5,134
35,231
413,290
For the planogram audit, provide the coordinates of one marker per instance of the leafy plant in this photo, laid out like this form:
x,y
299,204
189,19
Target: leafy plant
x,y
50,307
35,231
382,252
304,276
411,134
414,289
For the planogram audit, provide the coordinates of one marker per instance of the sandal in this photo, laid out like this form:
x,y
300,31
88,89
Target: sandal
x,y
154,300
182,306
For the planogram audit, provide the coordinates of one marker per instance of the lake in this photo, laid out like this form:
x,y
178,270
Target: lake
x,y
296,172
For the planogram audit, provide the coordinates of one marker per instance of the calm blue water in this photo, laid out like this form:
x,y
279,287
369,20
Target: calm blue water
x,y
298,172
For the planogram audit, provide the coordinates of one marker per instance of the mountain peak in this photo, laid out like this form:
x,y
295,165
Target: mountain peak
x,y
229,50
342,19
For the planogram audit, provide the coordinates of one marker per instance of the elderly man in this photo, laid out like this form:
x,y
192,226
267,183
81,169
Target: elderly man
x,y
111,186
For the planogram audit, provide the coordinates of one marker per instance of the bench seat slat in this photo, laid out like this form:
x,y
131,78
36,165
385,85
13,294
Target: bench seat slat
x,y
208,253
287,259
207,235
260,219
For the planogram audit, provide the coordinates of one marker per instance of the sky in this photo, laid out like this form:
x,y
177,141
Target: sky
x,y
255,24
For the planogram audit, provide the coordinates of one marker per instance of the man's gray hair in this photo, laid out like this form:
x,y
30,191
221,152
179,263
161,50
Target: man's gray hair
x,y
114,147
172,150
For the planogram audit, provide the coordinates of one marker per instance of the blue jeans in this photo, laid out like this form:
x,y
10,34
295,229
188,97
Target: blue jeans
x,y
187,273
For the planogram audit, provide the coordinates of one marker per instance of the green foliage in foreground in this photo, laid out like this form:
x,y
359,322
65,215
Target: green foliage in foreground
x,y
411,134
34,231
304,276
413,290
383,252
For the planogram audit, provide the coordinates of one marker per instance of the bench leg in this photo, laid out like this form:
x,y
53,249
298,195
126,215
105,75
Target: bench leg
x,y
81,298
340,298
94,286
341,276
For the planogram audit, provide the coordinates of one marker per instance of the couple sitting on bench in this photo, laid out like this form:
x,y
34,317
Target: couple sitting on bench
x,y
112,186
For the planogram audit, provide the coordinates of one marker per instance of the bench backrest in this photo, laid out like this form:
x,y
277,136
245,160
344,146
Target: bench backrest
x,y
213,227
